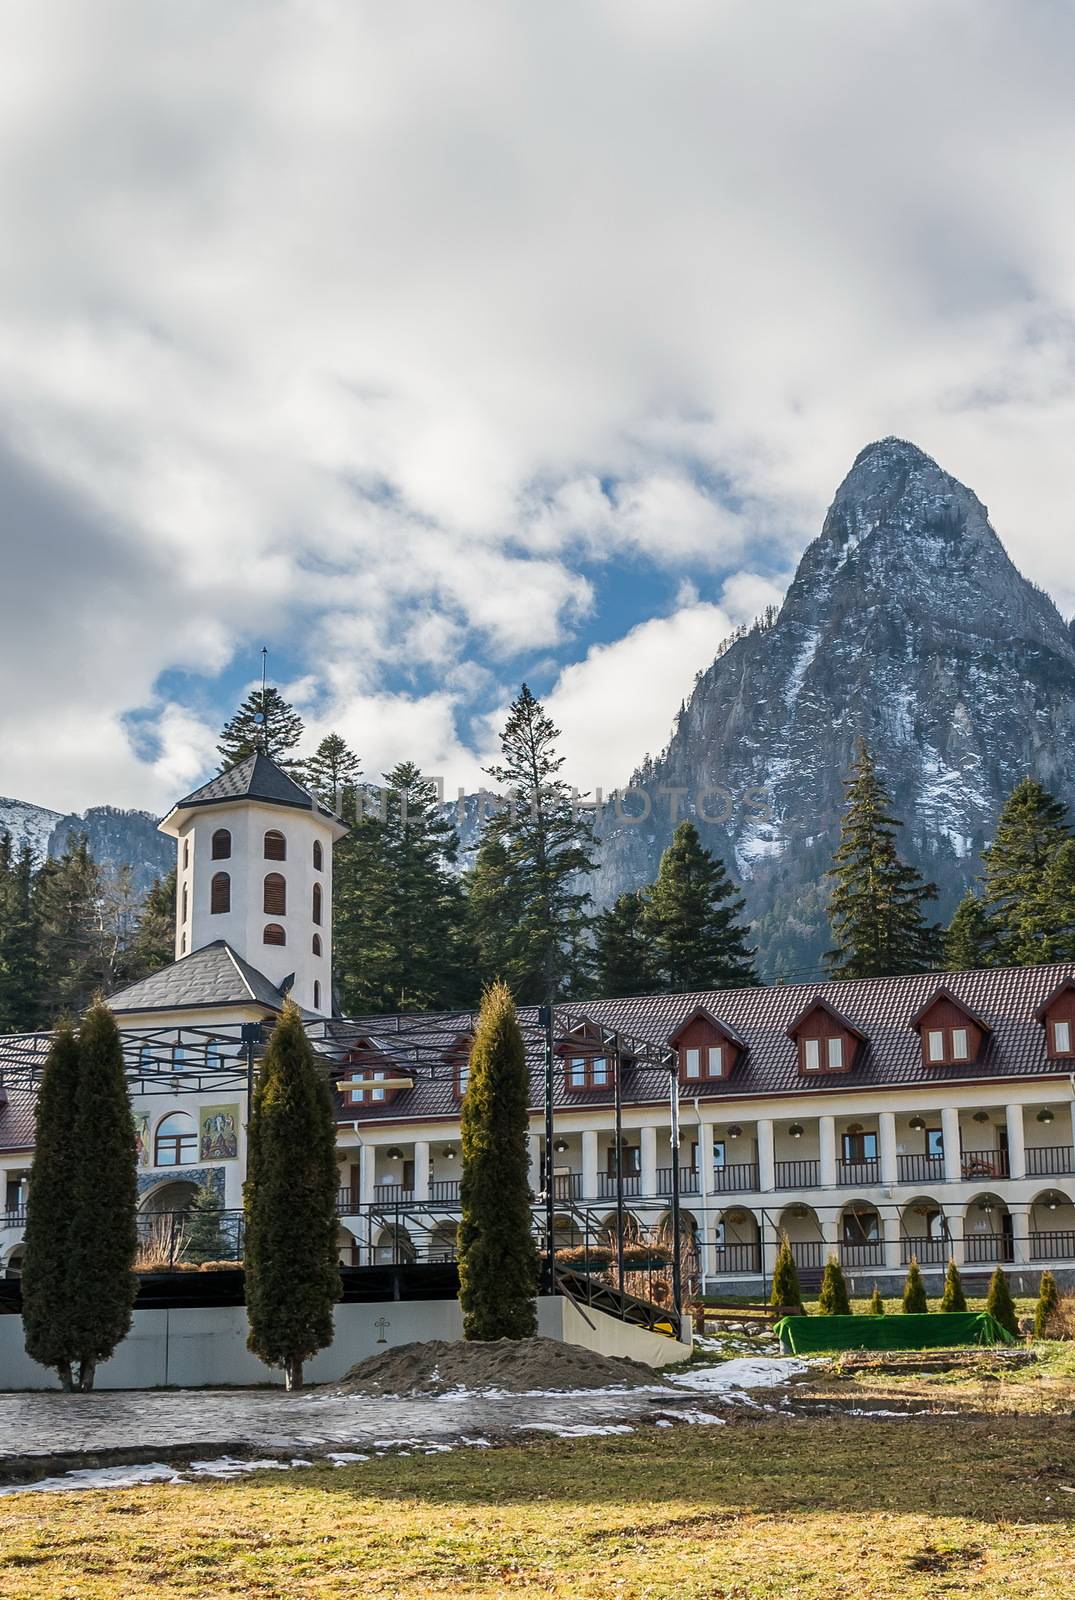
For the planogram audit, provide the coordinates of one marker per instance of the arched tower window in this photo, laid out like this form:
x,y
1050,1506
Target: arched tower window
x,y
317,995
177,1140
274,934
182,944
319,856
317,944
274,903
317,904
186,853
220,894
221,845
275,846
185,905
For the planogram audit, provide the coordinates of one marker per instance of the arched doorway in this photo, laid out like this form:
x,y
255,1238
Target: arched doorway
x,y
861,1235
800,1225
924,1233
987,1231
347,1248
394,1247
738,1246
1052,1226
162,1225
13,1261
442,1241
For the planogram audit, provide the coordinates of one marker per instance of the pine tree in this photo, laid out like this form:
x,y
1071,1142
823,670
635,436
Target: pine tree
x,y
401,903
876,906
20,962
498,1260
205,1235
66,906
968,941
491,912
692,920
999,1305
876,1306
1048,1300
47,1288
289,1202
1031,830
266,723
953,1298
915,1302
153,945
834,1300
621,949
548,841
1048,920
333,772
786,1291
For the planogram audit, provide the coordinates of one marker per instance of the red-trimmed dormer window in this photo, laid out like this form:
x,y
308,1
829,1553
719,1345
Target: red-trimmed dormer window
x,y
708,1049
951,1034
1058,1018
365,1065
586,1072
459,1060
825,1040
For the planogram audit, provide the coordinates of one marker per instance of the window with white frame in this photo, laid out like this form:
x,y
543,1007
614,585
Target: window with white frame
x,y
835,1054
1061,1038
812,1055
935,1044
692,1063
960,1044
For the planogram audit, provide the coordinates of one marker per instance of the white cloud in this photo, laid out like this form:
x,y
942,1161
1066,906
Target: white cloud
x,y
365,328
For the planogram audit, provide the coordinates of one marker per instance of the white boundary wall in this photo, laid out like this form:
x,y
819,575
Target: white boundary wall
x,y
206,1347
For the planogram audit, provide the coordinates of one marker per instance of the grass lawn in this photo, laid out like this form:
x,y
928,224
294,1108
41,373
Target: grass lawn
x,y
809,1508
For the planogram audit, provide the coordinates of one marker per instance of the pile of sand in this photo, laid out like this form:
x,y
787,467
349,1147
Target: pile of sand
x,y
514,1366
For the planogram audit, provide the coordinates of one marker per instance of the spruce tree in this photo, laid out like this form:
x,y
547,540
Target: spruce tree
x,y
877,901
1032,828
205,1235
492,914
20,961
1048,1300
48,1293
498,1262
333,772
621,949
834,1300
153,945
999,1305
915,1302
876,1306
786,1291
289,1204
953,1298
692,920
969,939
71,948
1048,920
548,841
267,723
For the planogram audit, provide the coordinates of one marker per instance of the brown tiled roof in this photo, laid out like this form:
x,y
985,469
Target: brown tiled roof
x,y
881,1009
16,1119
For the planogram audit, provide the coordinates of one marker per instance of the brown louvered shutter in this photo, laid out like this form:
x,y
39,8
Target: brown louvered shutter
x,y
273,934
220,893
317,904
221,845
275,901
275,846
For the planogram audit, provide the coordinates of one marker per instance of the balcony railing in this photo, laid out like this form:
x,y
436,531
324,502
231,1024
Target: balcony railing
x,y
166,1238
808,1253
13,1219
445,1190
736,1178
347,1202
797,1174
862,1255
1050,1160
927,1252
688,1180
392,1194
920,1169
857,1174
988,1247
735,1257
1053,1246
607,1187
567,1186
985,1164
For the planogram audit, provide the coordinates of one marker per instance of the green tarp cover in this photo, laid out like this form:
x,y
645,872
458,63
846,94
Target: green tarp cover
x,y
803,1334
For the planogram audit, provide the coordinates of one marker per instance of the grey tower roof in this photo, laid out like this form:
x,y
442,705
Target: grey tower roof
x,y
256,777
215,975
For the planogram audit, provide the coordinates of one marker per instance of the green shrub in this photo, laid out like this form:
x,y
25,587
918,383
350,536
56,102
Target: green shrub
x,y
914,1291
833,1300
876,1307
953,1298
786,1291
999,1303
1048,1300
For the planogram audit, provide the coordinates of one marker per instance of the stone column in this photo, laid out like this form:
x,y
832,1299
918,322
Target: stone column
x,y
533,1144
886,1144
421,1169
953,1155
826,1136
1072,1124
367,1173
1016,1142
890,1223
955,1238
1020,1215
589,1165
766,1156
705,1163
769,1244
830,1235
648,1143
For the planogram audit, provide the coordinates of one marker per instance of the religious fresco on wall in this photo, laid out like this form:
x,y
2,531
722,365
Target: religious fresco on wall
x,y
141,1138
219,1133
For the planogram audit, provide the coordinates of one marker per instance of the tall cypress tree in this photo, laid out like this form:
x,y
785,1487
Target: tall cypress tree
x,y
692,920
621,949
334,771
48,1292
548,841
20,962
289,1201
498,1260
1032,828
277,732
970,937
876,905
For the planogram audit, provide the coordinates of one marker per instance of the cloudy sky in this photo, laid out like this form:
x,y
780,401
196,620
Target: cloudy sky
x,y
438,346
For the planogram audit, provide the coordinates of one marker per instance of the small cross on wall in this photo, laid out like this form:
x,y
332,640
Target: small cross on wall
x,y
381,1324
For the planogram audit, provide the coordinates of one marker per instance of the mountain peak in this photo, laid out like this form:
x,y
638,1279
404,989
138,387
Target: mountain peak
x,y
893,451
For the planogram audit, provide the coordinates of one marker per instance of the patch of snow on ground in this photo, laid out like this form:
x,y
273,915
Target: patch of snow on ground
x,y
732,1377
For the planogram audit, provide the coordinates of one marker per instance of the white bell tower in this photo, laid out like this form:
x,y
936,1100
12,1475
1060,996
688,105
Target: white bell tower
x,y
254,869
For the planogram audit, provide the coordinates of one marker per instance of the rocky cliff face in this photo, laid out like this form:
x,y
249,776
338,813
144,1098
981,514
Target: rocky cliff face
x,y
906,623
116,838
